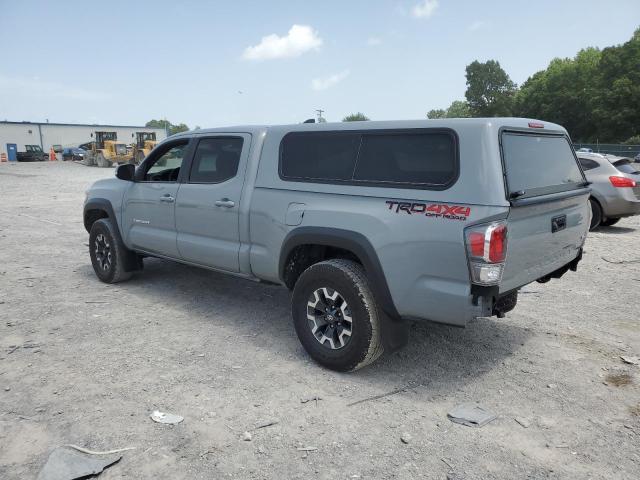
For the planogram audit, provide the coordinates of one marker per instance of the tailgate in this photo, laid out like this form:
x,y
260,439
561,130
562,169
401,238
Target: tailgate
x,y
549,216
543,237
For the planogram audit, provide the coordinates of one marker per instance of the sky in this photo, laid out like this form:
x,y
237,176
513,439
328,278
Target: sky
x,y
222,63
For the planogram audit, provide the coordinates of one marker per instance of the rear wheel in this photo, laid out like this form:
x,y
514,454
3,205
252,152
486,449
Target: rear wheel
x,y
336,317
609,221
107,254
101,161
596,214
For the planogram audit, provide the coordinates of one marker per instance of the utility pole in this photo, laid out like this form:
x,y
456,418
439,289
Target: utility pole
x,y
166,127
321,119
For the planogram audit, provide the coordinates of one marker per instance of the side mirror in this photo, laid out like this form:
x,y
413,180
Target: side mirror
x,y
126,172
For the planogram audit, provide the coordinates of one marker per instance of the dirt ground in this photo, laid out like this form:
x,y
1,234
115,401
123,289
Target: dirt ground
x,y
86,363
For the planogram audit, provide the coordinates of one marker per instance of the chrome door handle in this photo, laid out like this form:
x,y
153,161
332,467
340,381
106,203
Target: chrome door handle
x,y
167,198
225,202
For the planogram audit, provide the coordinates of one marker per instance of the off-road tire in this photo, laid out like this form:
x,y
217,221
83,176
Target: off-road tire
x,y
101,161
609,222
348,278
596,214
115,273
139,157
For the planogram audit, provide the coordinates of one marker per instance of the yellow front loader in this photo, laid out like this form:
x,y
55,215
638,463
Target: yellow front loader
x,y
145,142
107,151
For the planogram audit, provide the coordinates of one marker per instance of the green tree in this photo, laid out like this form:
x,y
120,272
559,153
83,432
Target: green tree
x,y
168,126
438,113
564,93
457,109
355,117
617,101
490,91
594,95
181,127
635,140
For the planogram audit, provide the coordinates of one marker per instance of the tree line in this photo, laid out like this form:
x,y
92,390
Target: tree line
x,y
595,95
169,127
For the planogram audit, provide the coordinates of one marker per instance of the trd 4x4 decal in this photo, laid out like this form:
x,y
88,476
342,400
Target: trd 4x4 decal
x,y
438,210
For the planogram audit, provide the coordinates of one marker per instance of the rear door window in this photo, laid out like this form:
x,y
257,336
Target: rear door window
x,y
539,164
216,160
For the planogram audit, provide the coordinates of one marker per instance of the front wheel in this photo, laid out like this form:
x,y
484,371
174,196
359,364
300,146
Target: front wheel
x,y
336,316
107,254
102,161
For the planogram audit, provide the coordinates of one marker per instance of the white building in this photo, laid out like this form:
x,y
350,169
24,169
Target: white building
x,y
15,135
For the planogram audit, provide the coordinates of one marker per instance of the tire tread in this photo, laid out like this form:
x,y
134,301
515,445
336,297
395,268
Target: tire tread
x,y
119,274
356,274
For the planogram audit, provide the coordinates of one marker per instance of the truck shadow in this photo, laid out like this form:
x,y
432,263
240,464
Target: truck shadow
x,y
435,355
616,230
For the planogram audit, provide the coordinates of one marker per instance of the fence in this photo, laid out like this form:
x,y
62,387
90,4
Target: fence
x,y
611,148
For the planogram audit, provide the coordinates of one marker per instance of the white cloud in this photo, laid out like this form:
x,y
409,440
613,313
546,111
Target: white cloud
x,y
299,39
330,81
477,25
374,41
42,88
424,9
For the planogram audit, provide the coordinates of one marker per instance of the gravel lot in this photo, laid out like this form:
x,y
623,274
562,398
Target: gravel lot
x,y
86,363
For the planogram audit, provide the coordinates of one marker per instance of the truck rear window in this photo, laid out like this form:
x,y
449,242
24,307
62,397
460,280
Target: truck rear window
x,y
539,164
417,158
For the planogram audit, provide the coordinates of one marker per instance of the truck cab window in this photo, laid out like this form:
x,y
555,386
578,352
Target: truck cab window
x,y
166,167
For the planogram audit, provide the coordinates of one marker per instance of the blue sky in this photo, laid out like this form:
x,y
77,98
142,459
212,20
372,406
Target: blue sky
x,y
209,63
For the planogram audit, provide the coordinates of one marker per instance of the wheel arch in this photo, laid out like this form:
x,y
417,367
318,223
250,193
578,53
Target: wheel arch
x,y
98,208
336,243
600,201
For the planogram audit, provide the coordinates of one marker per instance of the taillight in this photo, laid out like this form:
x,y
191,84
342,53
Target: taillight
x,y
622,182
498,244
486,250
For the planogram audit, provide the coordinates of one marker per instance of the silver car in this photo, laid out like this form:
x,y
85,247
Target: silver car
x,y
615,187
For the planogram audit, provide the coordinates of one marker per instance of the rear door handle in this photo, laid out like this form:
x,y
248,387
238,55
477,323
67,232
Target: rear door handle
x,y
167,198
225,202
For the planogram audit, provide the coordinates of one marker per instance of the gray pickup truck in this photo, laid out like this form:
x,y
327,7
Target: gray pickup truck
x,y
370,224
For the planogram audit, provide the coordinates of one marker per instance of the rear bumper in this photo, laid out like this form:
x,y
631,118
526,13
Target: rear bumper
x,y
572,265
622,207
442,301
499,303
456,304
